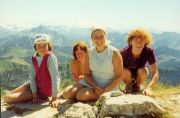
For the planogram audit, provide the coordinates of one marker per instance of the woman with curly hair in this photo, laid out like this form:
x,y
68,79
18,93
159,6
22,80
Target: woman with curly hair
x,y
135,56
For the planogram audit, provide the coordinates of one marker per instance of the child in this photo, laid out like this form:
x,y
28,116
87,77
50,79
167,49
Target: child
x,y
44,75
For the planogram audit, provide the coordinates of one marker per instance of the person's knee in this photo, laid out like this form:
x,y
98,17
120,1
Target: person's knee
x,y
70,93
142,75
127,76
80,96
85,95
66,94
143,72
78,86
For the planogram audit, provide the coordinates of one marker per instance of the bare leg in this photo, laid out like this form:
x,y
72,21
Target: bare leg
x,y
20,89
71,91
127,76
69,95
86,94
142,75
17,97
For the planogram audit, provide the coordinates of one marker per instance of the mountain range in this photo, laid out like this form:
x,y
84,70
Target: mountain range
x,y
16,48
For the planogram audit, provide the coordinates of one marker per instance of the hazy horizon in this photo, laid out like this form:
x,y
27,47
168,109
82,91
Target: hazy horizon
x,y
121,15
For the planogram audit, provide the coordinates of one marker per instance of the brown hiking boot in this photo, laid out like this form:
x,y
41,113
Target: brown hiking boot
x,y
128,89
137,89
133,89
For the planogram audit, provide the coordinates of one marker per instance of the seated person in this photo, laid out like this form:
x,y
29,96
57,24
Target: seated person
x,y
104,68
44,76
77,68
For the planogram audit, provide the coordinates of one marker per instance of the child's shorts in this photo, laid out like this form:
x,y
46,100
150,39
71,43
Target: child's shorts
x,y
86,84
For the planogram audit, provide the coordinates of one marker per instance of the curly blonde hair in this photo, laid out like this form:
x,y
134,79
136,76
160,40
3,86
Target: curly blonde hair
x,y
140,33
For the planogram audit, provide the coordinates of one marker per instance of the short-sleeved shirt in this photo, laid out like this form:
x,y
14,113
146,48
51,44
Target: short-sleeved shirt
x,y
132,63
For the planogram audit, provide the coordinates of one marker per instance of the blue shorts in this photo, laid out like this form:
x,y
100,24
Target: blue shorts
x,y
86,84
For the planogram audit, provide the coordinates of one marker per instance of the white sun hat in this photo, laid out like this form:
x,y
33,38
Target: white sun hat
x,y
42,38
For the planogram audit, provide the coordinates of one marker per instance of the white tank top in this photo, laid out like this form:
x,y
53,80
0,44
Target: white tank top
x,y
101,65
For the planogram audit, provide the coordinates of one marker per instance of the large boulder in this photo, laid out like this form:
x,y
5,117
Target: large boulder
x,y
128,105
77,110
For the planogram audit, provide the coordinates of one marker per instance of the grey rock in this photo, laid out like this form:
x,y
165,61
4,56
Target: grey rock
x,y
128,105
78,110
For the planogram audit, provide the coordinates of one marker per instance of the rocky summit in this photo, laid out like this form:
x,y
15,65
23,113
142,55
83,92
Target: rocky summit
x,y
129,105
110,104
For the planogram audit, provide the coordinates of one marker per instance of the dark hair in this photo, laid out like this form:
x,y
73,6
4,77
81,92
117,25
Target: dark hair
x,y
80,44
95,30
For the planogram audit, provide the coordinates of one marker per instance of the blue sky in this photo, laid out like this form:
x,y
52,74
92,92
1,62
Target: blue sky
x,y
161,15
